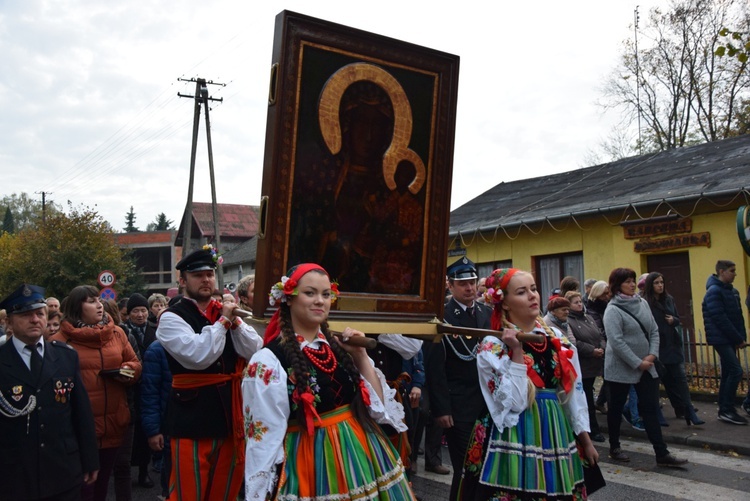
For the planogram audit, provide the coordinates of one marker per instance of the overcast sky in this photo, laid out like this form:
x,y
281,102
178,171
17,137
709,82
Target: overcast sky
x,y
88,91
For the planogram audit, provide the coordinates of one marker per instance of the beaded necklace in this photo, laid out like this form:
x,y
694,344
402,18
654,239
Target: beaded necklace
x,y
542,345
323,358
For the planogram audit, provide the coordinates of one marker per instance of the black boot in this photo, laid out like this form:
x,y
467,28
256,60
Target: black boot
x,y
691,418
144,480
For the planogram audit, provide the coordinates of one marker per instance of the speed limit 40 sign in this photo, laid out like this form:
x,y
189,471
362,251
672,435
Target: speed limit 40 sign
x,y
106,278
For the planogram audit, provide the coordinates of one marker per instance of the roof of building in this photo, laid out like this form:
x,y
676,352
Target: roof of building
x,y
710,169
141,238
235,221
241,254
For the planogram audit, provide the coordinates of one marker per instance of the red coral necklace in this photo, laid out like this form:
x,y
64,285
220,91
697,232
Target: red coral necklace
x,y
323,358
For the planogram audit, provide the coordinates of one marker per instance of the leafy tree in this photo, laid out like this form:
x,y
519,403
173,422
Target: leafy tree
x,y
161,223
130,221
735,44
8,225
27,211
681,90
69,250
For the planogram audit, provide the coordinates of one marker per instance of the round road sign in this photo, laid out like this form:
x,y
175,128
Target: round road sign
x,y
106,278
108,293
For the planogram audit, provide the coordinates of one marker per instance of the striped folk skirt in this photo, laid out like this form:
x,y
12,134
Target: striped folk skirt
x,y
341,460
534,460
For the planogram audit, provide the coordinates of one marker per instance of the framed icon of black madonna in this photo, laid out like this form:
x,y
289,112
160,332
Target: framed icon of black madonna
x,y
358,167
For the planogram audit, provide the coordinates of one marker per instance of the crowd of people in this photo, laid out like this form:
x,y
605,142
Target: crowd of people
x,y
183,387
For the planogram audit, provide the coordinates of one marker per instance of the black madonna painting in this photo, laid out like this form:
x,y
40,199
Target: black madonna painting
x,y
357,172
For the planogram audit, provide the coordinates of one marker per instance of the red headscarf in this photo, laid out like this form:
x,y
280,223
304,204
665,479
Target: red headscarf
x,y
297,272
499,280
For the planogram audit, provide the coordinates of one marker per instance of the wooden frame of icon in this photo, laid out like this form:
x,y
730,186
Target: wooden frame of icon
x,y
357,169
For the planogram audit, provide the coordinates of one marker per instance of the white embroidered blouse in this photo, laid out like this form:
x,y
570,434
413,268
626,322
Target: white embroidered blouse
x,y
505,390
266,409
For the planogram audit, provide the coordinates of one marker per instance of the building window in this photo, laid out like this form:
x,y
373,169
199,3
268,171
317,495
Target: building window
x,y
485,269
550,270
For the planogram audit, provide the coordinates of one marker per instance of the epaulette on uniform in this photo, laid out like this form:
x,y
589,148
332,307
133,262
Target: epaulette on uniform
x,y
61,345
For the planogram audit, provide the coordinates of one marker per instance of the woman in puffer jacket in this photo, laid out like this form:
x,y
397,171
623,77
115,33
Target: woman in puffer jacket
x,y
101,346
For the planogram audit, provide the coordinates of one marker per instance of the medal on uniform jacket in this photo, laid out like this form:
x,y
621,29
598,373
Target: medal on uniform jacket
x,y
62,390
17,393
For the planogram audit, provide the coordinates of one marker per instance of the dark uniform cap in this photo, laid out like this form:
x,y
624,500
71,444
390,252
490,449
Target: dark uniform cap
x,y
25,298
199,260
463,269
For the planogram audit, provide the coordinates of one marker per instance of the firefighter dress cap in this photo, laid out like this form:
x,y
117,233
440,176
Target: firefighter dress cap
x,y
463,269
25,298
199,260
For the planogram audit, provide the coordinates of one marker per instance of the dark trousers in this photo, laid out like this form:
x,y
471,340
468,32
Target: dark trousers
x,y
647,390
603,396
731,375
98,491
458,437
588,390
417,426
121,471
73,494
675,384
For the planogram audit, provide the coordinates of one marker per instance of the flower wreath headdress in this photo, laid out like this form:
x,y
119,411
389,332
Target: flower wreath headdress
x,y
288,287
214,254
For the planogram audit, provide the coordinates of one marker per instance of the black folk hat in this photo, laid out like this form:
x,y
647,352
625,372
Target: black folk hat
x,y
199,260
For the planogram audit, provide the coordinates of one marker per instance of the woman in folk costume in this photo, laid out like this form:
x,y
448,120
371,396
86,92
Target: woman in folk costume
x,y
526,446
312,404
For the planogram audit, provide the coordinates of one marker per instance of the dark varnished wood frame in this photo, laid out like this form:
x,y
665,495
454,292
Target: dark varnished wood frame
x,y
293,34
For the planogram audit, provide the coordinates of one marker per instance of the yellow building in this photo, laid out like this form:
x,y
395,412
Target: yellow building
x,y
674,212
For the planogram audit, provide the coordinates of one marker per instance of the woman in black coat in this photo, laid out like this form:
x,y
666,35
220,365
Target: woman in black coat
x,y
590,344
672,367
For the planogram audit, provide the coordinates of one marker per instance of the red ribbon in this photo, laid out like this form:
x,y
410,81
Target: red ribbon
x,y
365,392
213,311
566,365
307,400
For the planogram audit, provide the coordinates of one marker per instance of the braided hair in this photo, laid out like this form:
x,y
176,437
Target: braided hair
x,y
301,371
498,282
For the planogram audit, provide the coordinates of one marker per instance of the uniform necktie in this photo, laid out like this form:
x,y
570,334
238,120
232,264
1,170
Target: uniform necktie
x,y
36,362
470,311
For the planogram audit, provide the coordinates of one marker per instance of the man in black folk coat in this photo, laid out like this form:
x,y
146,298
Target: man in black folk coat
x,y
455,396
47,437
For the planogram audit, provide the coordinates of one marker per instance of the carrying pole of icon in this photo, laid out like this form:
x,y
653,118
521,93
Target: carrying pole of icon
x,y
201,98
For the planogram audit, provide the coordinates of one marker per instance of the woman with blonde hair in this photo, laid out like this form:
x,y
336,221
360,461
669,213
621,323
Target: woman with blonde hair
x,y
526,446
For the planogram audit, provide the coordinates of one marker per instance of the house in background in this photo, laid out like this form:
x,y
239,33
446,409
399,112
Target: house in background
x,y
238,227
674,212
237,224
155,255
239,261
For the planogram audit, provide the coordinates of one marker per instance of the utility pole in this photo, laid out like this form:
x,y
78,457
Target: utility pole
x,y
44,204
201,97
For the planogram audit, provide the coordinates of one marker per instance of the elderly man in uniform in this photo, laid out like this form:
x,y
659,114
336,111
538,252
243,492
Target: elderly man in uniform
x,y
47,435
452,380
207,349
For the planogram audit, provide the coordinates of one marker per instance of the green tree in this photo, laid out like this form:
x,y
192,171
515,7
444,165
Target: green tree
x,y
8,225
735,44
161,223
682,92
27,211
69,250
130,221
